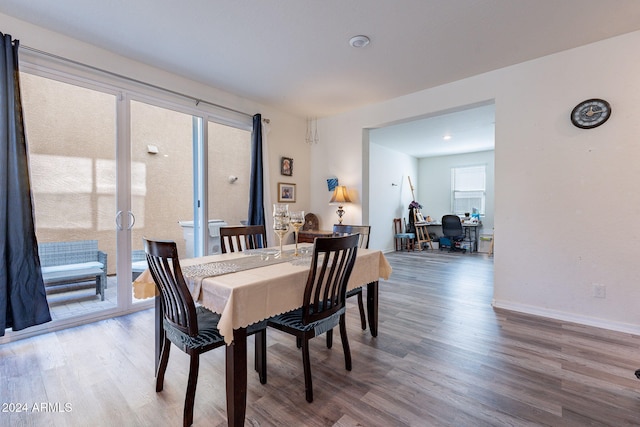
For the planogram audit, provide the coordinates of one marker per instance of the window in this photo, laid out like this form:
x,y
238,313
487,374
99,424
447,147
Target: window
x,y
468,189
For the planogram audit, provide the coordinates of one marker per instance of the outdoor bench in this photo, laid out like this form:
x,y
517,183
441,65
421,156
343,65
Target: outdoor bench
x,y
63,263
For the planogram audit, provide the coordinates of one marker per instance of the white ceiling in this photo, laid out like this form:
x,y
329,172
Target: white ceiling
x,y
470,130
295,55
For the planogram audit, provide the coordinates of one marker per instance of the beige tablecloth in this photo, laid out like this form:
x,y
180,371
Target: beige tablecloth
x,y
249,296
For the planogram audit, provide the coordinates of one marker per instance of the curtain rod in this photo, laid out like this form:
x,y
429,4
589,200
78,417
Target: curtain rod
x,y
111,73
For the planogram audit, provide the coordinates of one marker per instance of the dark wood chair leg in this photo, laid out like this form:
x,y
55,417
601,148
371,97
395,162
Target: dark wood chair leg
x,y
162,366
159,329
363,319
330,338
345,343
191,389
306,363
372,307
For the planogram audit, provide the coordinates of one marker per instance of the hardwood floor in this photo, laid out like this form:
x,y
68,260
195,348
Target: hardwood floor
x,y
443,357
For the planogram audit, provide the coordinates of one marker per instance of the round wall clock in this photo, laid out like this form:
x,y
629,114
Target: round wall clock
x,y
591,113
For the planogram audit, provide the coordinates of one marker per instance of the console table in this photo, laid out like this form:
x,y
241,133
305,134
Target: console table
x,y
308,236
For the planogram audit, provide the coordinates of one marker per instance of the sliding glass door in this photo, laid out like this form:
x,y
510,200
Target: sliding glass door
x,y
229,173
71,136
162,179
105,170
109,167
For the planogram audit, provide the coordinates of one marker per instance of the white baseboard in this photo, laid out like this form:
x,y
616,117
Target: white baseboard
x,y
568,317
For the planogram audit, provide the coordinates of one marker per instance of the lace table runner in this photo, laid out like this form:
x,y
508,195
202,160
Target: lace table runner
x,y
254,258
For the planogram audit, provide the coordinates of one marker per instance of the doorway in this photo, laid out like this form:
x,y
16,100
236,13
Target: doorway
x,y
425,149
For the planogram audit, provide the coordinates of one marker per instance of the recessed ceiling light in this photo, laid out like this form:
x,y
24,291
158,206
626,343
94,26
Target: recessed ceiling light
x,y
359,41
447,137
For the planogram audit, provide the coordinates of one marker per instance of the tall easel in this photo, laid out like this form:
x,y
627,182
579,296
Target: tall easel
x,y
422,232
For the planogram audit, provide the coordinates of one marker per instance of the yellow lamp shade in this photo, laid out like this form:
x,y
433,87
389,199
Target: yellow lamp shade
x,y
340,195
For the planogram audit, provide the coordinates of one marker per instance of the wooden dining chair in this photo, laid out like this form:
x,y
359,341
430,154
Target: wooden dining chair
x,y
363,232
323,304
402,238
193,329
239,238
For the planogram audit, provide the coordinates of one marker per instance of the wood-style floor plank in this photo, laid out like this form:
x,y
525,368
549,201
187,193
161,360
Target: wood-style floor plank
x,y
443,357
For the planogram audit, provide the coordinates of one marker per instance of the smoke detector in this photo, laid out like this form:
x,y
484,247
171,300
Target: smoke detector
x,y
359,41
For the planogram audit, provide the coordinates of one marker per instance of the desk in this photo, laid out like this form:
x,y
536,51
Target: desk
x,y
249,296
470,228
471,233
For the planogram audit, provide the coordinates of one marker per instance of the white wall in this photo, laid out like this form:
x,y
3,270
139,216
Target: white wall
x,y
434,184
338,154
566,198
389,192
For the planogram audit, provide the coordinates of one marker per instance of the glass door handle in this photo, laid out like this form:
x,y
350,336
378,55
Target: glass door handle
x,y
119,220
132,220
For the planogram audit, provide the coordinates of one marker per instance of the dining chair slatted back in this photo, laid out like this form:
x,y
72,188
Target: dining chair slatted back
x,y
193,329
323,305
178,305
240,238
326,289
364,232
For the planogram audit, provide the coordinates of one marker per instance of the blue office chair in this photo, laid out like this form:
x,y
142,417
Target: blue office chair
x,y
452,229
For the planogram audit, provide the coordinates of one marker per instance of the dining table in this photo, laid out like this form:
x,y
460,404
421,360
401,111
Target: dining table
x,y
249,287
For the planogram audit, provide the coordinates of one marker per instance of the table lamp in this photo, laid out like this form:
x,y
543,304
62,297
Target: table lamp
x,y
340,197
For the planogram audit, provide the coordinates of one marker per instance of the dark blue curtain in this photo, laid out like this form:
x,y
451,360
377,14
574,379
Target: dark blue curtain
x,y
23,302
256,190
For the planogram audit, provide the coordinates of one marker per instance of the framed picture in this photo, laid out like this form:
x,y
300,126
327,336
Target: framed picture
x,y
332,183
286,166
286,192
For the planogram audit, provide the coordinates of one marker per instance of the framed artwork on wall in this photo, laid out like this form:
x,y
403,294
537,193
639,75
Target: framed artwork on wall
x,y
286,192
286,166
332,183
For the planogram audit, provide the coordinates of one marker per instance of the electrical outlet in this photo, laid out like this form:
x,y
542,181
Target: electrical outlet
x,y
599,290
